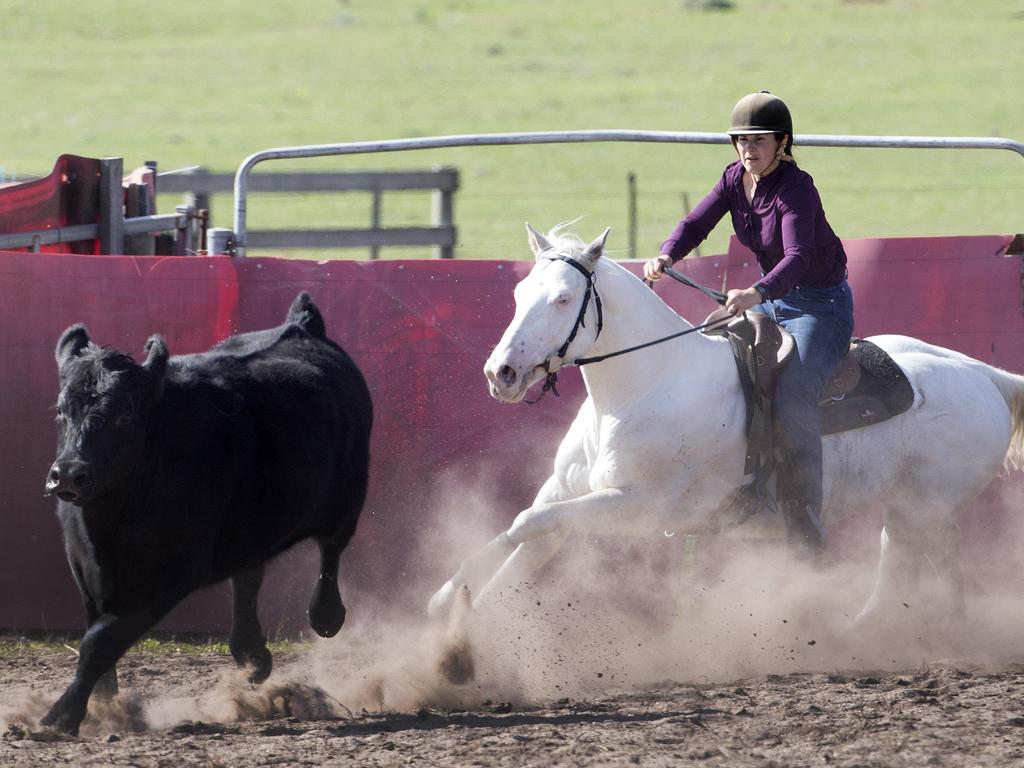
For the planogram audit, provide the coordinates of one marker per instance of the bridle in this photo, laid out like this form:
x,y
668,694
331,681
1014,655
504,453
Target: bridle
x,y
551,379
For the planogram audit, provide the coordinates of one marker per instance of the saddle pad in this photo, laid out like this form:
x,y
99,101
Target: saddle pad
x,y
882,392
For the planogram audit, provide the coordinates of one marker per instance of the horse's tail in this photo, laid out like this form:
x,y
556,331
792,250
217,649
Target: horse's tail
x,y
1011,387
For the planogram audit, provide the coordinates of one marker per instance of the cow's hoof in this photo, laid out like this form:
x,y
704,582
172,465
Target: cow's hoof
x,y
259,662
326,611
63,718
106,686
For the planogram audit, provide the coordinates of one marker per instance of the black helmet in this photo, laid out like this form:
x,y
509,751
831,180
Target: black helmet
x,y
761,113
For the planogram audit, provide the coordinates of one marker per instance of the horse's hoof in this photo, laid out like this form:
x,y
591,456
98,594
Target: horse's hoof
x,y
455,662
326,611
456,665
441,602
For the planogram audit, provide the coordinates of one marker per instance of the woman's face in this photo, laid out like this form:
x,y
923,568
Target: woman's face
x,y
757,151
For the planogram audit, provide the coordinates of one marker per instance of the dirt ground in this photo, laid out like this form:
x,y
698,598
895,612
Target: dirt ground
x,y
747,672
943,714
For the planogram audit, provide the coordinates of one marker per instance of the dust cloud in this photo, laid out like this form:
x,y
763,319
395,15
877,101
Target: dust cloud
x,y
611,615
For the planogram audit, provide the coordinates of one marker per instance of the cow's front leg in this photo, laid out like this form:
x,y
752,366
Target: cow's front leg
x,y
106,686
246,642
103,644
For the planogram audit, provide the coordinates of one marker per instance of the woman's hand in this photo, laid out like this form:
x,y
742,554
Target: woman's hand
x,y
653,267
738,301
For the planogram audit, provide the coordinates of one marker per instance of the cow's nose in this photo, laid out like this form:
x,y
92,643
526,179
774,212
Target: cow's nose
x,y
68,479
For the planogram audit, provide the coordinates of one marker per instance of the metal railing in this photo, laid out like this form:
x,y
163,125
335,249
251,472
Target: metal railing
x,y
76,232
235,241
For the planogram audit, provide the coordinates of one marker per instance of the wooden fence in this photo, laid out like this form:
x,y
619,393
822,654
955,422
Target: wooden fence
x,y
199,185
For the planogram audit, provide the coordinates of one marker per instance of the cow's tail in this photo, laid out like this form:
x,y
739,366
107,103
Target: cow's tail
x,y
1011,387
305,314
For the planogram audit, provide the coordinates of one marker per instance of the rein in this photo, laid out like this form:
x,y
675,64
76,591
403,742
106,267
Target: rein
x,y
551,380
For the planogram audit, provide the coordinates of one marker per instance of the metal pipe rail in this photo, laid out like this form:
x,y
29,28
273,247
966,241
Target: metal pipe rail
x,y
237,240
133,226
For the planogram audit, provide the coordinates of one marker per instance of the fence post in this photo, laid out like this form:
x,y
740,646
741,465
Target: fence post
x,y
631,184
111,205
199,201
375,220
442,205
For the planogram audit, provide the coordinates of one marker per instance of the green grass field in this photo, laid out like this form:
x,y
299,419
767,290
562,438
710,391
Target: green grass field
x,y
209,83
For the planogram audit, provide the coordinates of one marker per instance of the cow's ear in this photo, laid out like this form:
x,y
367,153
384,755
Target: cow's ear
x,y
71,342
156,357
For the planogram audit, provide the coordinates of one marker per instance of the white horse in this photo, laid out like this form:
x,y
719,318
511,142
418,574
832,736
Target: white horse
x,y
659,441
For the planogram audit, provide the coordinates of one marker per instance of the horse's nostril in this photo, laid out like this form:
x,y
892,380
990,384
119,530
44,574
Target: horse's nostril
x,y
506,374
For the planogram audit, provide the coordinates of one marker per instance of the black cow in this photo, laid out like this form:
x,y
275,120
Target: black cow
x,y
184,471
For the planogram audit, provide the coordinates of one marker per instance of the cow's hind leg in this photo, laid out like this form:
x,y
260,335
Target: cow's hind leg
x,y
247,644
326,611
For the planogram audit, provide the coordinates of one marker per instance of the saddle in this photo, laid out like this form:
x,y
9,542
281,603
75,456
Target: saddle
x,y
867,387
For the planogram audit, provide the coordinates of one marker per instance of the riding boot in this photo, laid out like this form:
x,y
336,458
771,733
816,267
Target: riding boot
x,y
805,534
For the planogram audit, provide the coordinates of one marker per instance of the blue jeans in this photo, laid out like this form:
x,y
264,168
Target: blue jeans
x,y
821,322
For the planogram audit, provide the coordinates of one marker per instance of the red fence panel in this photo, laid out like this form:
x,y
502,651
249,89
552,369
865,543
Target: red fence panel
x,y
68,196
420,331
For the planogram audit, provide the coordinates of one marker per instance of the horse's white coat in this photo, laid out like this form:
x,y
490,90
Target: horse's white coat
x,y
659,442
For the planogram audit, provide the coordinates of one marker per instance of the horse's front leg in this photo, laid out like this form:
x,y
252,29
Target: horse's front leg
x,y
538,532
479,568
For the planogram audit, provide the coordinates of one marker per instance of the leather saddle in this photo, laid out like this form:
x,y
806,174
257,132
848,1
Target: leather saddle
x,y
867,387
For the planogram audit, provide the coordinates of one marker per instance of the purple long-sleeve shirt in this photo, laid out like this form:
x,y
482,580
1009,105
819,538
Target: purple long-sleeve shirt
x,y
784,226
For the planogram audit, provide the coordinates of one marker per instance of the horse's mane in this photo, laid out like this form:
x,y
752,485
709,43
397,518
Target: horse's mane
x,y
609,270
561,239
568,242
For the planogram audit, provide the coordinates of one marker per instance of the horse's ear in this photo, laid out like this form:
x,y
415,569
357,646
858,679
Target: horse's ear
x,y
596,248
538,243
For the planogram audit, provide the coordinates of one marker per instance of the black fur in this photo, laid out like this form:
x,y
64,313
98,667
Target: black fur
x,y
183,471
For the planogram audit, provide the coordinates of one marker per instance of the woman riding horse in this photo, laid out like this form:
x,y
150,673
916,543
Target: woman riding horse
x,y
777,213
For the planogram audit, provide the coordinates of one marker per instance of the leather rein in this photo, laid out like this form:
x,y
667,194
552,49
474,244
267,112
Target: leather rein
x,y
551,380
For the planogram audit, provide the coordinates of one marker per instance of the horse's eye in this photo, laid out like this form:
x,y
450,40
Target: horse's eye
x,y
562,299
123,420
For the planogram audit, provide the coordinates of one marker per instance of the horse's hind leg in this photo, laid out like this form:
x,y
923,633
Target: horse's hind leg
x,y
247,644
895,580
326,611
912,554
